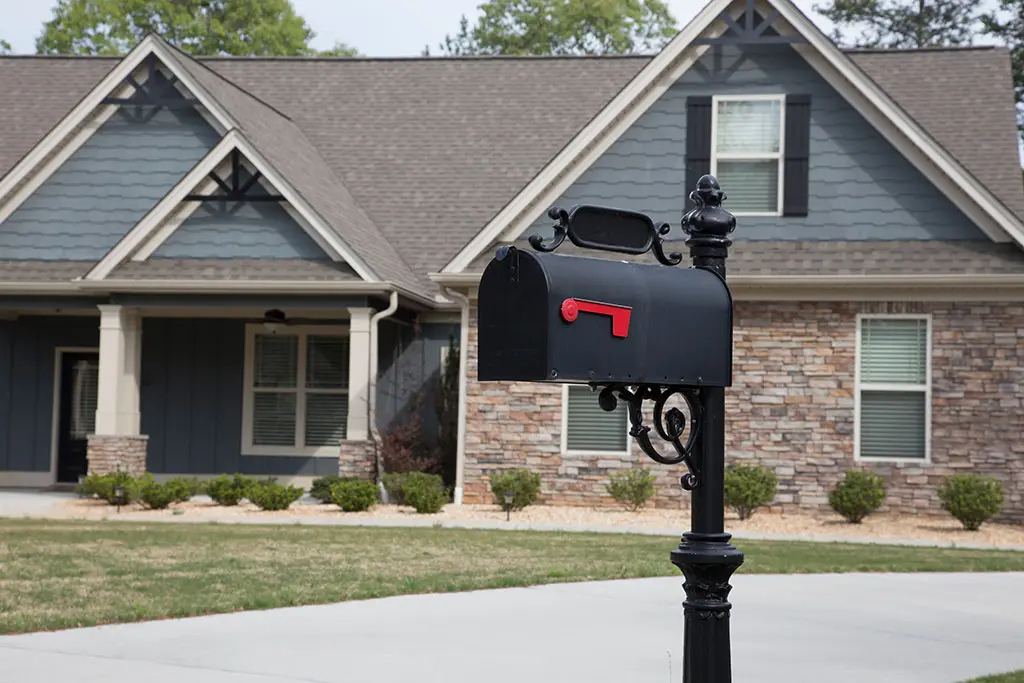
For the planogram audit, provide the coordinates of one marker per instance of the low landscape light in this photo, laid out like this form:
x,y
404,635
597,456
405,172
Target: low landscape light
x,y
119,497
509,496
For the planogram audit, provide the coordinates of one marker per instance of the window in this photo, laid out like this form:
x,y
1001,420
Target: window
x,y
893,387
586,428
747,151
296,391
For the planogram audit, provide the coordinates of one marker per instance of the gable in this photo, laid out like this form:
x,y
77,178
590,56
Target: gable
x,y
859,186
240,230
107,185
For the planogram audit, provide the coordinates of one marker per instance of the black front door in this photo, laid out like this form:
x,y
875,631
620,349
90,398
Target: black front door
x,y
79,384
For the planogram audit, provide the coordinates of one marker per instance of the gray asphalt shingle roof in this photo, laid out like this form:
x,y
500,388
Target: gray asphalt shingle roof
x,y
793,258
236,269
407,159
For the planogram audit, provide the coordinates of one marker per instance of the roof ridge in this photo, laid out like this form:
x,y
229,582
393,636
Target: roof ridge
x,y
903,50
226,80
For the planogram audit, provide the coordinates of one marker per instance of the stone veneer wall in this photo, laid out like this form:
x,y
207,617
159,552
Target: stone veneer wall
x,y
106,453
791,408
356,459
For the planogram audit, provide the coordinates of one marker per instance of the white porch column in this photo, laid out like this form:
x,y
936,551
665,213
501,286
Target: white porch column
x,y
359,374
117,404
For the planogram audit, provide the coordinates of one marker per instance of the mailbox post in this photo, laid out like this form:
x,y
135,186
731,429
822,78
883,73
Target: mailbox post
x,y
639,334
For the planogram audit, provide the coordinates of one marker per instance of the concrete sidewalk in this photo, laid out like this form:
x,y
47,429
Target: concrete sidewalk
x,y
854,628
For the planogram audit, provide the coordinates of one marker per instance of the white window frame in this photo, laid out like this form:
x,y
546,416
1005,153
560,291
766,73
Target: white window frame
x,y
860,386
741,156
565,429
302,332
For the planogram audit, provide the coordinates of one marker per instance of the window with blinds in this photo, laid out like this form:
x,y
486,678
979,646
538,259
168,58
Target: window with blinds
x,y
894,388
85,383
746,154
299,390
591,429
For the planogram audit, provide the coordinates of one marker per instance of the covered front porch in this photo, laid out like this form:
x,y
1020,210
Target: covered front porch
x,y
200,385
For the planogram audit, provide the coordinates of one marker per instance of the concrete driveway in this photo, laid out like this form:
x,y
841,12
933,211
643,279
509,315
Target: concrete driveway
x,y
855,628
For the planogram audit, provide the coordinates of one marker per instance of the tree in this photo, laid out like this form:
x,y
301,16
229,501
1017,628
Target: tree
x,y
199,27
563,27
904,23
339,50
5,47
1007,24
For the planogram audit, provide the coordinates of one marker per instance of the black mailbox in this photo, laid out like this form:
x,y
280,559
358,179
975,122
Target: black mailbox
x,y
548,317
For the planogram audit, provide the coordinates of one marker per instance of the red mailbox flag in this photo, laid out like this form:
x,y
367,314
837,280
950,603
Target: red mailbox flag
x,y
571,309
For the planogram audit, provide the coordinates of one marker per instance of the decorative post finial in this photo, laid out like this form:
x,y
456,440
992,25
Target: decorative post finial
x,y
708,226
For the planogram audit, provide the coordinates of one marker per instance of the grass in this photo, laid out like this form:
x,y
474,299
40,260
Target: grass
x,y
1011,677
60,574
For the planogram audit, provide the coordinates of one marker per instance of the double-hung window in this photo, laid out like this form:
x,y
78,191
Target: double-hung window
x,y
893,387
296,391
747,151
587,428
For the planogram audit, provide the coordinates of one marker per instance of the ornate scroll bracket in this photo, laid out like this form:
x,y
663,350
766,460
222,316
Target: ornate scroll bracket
x,y
587,227
671,425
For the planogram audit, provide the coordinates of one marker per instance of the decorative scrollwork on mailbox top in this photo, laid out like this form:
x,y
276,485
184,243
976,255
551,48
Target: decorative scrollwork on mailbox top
x,y
608,229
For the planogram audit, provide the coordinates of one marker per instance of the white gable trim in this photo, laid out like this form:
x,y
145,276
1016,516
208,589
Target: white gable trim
x,y
997,221
111,84
170,212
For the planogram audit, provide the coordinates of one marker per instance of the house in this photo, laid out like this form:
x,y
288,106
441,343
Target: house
x,y
248,264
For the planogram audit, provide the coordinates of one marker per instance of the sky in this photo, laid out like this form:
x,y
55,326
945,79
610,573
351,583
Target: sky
x,y
377,28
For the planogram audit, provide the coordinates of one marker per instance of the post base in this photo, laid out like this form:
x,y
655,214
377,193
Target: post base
x,y
707,562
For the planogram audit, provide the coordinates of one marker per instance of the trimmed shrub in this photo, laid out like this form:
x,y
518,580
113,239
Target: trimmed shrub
x,y
748,487
393,483
225,490
269,495
425,492
183,488
523,484
971,499
322,487
632,488
154,495
104,486
858,495
353,495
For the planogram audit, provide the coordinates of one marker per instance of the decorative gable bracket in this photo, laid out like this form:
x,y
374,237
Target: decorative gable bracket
x,y
237,187
749,31
156,92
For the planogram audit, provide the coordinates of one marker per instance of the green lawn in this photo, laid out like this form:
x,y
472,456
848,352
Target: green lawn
x,y
1011,677
57,574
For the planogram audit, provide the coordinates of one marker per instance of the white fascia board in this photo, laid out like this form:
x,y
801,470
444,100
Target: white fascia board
x,y
110,84
657,74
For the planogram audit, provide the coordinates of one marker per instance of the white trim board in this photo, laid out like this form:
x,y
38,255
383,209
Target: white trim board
x,y
111,84
167,215
996,220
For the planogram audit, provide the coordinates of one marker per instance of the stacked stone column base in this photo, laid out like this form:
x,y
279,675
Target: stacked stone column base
x,y
357,459
108,454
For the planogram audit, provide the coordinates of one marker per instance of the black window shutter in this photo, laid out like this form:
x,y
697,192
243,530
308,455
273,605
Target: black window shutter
x,y
798,144
698,143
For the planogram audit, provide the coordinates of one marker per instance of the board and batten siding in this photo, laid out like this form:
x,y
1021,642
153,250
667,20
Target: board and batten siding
x,y
27,355
191,402
106,187
860,186
254,230
410,362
